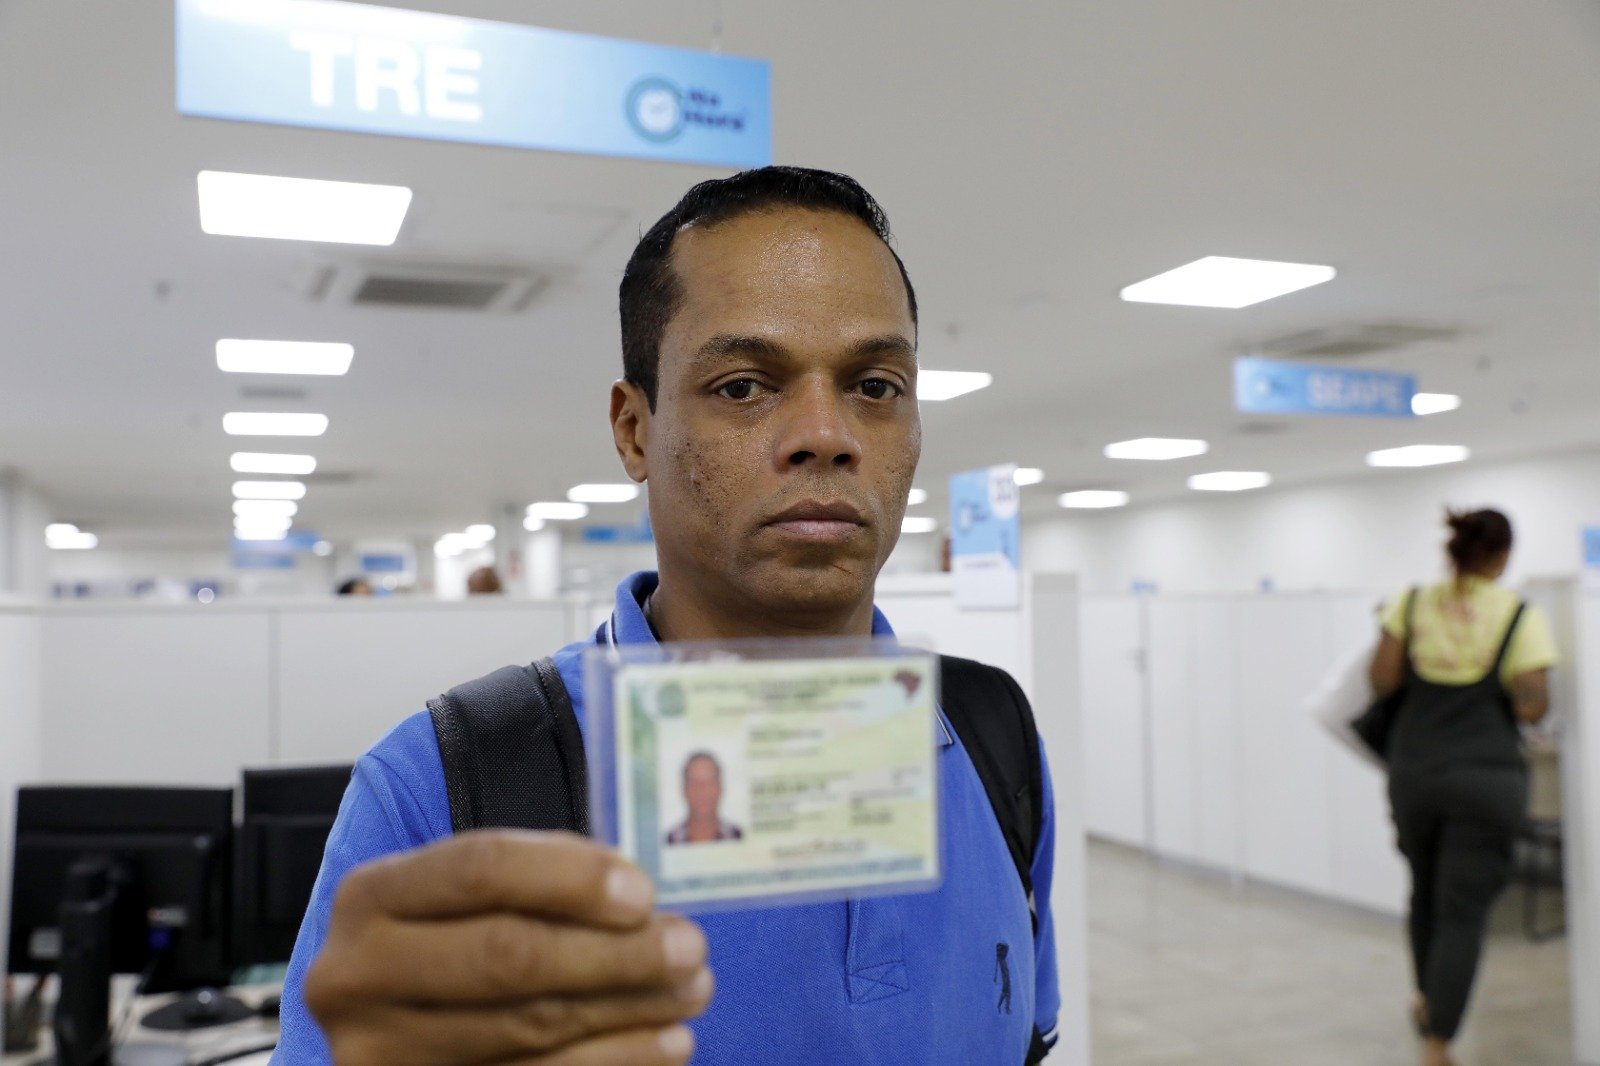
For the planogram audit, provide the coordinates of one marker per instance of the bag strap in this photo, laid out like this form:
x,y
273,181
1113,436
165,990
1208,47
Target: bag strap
x,y
512,752
1511,631
990,714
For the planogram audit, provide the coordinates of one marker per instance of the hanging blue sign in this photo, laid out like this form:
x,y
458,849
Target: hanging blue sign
x,y
1265,386
985,534
340,66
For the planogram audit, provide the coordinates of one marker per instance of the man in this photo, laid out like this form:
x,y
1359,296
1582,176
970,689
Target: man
x,y
769,400
702,794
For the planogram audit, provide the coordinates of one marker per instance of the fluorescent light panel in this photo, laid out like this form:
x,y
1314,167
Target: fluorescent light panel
x,y
64,536
265,508
532,524
557,511
262,524
603,493
1434,403
271,463
1419,455
1028,475
1230,481
918,524
916,497
269,490
1222,281
1093,499
300,209
1158,449
284,357
948,384
262,424
483,532
260,534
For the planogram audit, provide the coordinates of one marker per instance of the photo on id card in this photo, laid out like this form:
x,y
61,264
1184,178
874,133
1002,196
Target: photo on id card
x,y
754,773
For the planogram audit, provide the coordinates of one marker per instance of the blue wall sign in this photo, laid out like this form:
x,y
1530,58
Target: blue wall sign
x,y
340,66
384,564
636,533
273,554
1591,547
985,534
1265,386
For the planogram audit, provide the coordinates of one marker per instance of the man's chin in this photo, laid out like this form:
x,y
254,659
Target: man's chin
x,y
815,586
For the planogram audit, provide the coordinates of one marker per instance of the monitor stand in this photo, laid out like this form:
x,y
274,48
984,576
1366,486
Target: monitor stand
x,y
200,1009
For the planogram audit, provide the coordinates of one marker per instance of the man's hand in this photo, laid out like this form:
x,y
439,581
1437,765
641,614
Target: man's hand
x,y
506,947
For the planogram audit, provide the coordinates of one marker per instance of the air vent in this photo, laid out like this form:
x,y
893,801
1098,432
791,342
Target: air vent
x,y
495,288
1262,429
1351,342
271,392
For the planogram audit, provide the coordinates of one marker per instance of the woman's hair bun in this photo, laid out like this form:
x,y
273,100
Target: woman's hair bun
x,y
1476,538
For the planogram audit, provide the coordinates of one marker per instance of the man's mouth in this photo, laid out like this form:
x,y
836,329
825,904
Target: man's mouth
x,y
819,521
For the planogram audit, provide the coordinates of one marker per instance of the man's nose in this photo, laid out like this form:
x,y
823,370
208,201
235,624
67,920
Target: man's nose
x,y
818,428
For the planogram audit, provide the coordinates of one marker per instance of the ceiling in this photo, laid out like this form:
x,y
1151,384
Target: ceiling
x,y
1033,159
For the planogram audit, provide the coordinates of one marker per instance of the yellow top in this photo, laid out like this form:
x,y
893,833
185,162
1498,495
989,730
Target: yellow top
x,y
1458,634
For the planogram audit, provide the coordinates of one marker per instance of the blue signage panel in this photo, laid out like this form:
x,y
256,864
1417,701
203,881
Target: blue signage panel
x,y
1591,547
332,65
985,534
1265,386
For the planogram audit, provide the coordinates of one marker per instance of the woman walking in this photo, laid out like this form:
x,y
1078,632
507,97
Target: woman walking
x,y
1473,662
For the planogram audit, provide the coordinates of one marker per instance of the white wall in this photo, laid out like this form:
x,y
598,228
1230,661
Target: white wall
x,y
1578,686
19,731
1197,746
1382,531
24,513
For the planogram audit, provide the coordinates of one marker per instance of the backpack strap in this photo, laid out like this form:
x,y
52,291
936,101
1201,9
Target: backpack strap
x,y
988,711
512,752
990,714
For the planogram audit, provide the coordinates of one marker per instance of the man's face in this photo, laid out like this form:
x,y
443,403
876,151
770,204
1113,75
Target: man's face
x,y
786,430
702,788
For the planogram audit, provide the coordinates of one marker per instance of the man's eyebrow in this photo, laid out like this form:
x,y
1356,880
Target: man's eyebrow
x,y
724,345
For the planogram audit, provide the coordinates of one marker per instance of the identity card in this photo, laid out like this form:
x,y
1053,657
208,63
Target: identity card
x,y
745,775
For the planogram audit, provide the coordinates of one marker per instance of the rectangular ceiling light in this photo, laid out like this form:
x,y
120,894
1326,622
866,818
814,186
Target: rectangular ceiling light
x,y
265,424
948,384
269,490
1027,475
918,524
1092,499
532,525
265,508
1230,481
300,209
256,523
271,463
916,497
1156,448
260,534
1221,281
1419,455
64,536
284,357
603,493
1434,403
558,511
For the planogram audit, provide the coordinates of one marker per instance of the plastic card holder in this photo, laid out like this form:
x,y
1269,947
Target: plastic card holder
x,y
766,772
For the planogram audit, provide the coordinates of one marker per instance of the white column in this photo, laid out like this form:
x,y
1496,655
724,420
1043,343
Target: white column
x,y
542,563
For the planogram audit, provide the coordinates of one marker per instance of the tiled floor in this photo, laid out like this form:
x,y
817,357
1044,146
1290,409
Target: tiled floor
x,y
1188,969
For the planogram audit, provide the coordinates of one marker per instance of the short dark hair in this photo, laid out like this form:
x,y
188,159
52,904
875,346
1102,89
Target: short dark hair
x,y
1476,538
650,293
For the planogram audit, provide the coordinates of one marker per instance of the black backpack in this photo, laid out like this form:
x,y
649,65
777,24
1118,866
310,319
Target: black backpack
x,y
513,755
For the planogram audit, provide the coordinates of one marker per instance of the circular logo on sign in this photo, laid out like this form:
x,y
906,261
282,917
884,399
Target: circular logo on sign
x,y
655,109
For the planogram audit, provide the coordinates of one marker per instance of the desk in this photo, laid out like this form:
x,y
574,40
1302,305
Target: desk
x,y
200,1045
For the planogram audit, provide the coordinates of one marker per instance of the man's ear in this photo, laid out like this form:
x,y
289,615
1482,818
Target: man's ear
x,y
630,427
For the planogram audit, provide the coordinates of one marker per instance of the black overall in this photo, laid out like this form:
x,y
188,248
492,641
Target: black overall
x,y
1458,789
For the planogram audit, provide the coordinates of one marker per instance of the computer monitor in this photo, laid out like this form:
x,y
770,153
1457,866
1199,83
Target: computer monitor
x,y
287,814
120,880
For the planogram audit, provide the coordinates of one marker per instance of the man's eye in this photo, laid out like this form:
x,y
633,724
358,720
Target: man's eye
x,y
879,389
742,389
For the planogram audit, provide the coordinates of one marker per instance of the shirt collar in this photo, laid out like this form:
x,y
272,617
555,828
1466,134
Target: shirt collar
x,y
627,625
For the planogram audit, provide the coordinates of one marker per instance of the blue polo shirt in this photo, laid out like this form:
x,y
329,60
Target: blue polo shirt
x,y
954,976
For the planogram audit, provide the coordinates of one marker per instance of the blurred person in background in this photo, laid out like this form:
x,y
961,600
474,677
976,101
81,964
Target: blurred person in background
x,y
355,586
483,581
1473,664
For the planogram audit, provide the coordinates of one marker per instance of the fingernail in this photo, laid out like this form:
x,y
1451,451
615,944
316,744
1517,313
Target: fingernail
x,y
677,1040
683,946
697,989
628,888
